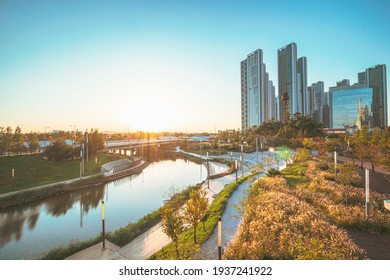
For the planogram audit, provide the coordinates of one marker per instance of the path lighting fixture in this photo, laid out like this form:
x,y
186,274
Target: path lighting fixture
x,y
208,171
236,167
103,228
367,173
219,238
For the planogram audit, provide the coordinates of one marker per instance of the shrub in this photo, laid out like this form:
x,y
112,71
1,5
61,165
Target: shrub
x,y
273,172
281,226
323,165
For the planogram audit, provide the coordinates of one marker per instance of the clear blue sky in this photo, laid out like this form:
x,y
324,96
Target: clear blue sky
x,y
171,65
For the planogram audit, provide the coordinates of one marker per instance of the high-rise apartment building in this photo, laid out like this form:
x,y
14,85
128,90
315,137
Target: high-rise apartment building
x,y
256,92
271,105
287,78
303,96
318,100
376,79
362,78
244,96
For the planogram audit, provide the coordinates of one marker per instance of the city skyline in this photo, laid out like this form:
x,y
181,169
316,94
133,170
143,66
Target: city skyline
x,y
104,65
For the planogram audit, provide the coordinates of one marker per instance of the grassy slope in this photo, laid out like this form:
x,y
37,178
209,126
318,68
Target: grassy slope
x,y
32,170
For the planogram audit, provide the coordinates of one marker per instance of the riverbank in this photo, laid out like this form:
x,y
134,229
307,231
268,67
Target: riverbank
x,y
37,193
32,170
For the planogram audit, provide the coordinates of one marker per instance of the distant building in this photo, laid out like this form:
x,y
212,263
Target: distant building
x,y
326,110
287,78
376,79
348,103
344,82
303,96
362,78
244,96
317,101
257,91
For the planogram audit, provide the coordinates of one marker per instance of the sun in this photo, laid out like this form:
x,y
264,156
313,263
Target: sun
x,y
150,117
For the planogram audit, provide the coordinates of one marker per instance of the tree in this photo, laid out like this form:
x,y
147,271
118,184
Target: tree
x,y
33,142
303,155
18,140
2,141
286,155
361,140
8,139
59,151
374,152
196,208
384,144
173,221
95,142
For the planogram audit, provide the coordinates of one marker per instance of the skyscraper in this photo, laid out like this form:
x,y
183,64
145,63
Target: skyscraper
x,y
376,79
256,95
318,95
303,96
252,90
244,96
362,78
271,105
287,78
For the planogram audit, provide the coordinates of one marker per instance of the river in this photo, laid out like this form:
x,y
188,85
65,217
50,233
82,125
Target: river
x,y
27,232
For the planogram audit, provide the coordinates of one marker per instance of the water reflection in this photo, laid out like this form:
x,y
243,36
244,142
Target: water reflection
x,y
58,220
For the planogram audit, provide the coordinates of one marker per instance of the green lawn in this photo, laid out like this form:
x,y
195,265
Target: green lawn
x,y
32,170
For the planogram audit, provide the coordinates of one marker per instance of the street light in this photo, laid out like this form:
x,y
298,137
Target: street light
x,y
236,167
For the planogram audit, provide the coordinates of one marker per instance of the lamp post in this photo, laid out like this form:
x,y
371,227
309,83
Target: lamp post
x,y
367,173
82,160
103,226
236,167
86,143
208,171
242,160
220,238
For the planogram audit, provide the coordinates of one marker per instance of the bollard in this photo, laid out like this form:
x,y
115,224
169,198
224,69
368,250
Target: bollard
x,y
13,173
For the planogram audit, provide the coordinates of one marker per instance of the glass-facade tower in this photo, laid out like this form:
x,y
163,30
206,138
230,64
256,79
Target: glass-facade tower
x,y
287,78
351,106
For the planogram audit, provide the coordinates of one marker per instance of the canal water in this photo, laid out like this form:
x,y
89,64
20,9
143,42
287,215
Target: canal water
x,y
29,231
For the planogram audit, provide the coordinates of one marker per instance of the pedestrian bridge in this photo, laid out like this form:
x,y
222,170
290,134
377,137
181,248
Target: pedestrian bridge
x,y
136,144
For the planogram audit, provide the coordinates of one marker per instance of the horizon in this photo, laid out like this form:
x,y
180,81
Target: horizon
x,y
103,65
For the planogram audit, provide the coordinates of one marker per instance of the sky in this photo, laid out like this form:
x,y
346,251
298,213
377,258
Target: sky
x,y
168,65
